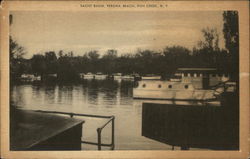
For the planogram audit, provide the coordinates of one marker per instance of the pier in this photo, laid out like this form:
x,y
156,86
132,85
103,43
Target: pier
x,y
209,127
32,130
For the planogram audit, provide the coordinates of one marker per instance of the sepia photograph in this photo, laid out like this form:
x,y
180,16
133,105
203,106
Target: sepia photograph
x,y
124,80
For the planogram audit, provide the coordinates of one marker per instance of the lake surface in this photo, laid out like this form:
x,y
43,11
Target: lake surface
x,y
97,97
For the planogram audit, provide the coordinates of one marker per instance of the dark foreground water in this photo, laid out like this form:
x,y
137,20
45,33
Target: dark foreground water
x,y
103,97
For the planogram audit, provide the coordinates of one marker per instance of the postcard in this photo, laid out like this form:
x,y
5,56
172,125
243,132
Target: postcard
x,y
124,79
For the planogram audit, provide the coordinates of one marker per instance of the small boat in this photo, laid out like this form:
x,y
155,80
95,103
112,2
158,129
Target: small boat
x,y
136,76
171,91
30,78
89,75
151,77
100,75
81,75
117,76
128,77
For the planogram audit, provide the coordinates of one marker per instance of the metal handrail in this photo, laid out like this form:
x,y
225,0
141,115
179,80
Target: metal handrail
x,y
99,129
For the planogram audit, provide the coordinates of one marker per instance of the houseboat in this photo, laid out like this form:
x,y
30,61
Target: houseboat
x,y
171,91
188,84
89,75
201,78
151,77
100,75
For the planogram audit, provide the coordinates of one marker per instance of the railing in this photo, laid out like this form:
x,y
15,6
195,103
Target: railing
x,y
99,129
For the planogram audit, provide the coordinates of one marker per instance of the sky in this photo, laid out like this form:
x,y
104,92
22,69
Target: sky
x,y
125,31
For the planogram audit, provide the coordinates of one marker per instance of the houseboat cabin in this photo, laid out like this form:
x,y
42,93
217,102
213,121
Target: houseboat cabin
x,y
201,78
170,90
186,84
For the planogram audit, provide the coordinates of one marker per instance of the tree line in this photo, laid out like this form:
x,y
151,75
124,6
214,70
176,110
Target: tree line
x,y
67,66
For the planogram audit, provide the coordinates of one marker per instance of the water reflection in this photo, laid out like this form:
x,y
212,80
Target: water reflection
x,y
100,97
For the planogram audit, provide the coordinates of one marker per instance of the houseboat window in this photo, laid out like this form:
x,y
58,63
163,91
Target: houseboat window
x,y
198,75
159,86
144,85
186,86
185,74
220,75
191,74
169,86
213,75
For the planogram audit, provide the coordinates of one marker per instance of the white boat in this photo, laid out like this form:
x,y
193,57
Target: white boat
x,y
151,77
81,75
100,75
171,91
200,84
30,78
37,78
128,77
89,76
175,79
117,76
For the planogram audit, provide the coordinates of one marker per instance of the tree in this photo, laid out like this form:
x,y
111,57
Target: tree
x,y
208,49
93,55
109,61
93,61
175,57
16,51
231,35
16,58
66,71
38,64
51,62
211,39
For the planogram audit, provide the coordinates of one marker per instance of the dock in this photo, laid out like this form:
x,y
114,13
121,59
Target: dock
x,y
32,130
206,127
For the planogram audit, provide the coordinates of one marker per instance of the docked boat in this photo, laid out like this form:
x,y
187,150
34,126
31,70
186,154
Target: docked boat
x,y
128,77
171,91
30,78
200,84
89,76
100,75
81,75
136,76
151,77
117,76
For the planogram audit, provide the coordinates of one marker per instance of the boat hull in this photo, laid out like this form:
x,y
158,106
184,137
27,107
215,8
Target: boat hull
x,y
117,77
193,95
151,77
101,76
88,77
128,78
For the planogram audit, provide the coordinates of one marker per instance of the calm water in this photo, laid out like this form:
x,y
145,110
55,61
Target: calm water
x,y
102,97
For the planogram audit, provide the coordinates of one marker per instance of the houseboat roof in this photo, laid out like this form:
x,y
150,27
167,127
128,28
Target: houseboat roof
x,y
200,69
196,70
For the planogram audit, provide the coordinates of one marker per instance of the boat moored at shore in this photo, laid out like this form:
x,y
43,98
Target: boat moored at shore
x,y
100,75
89,76
200,84
151,77
171,91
